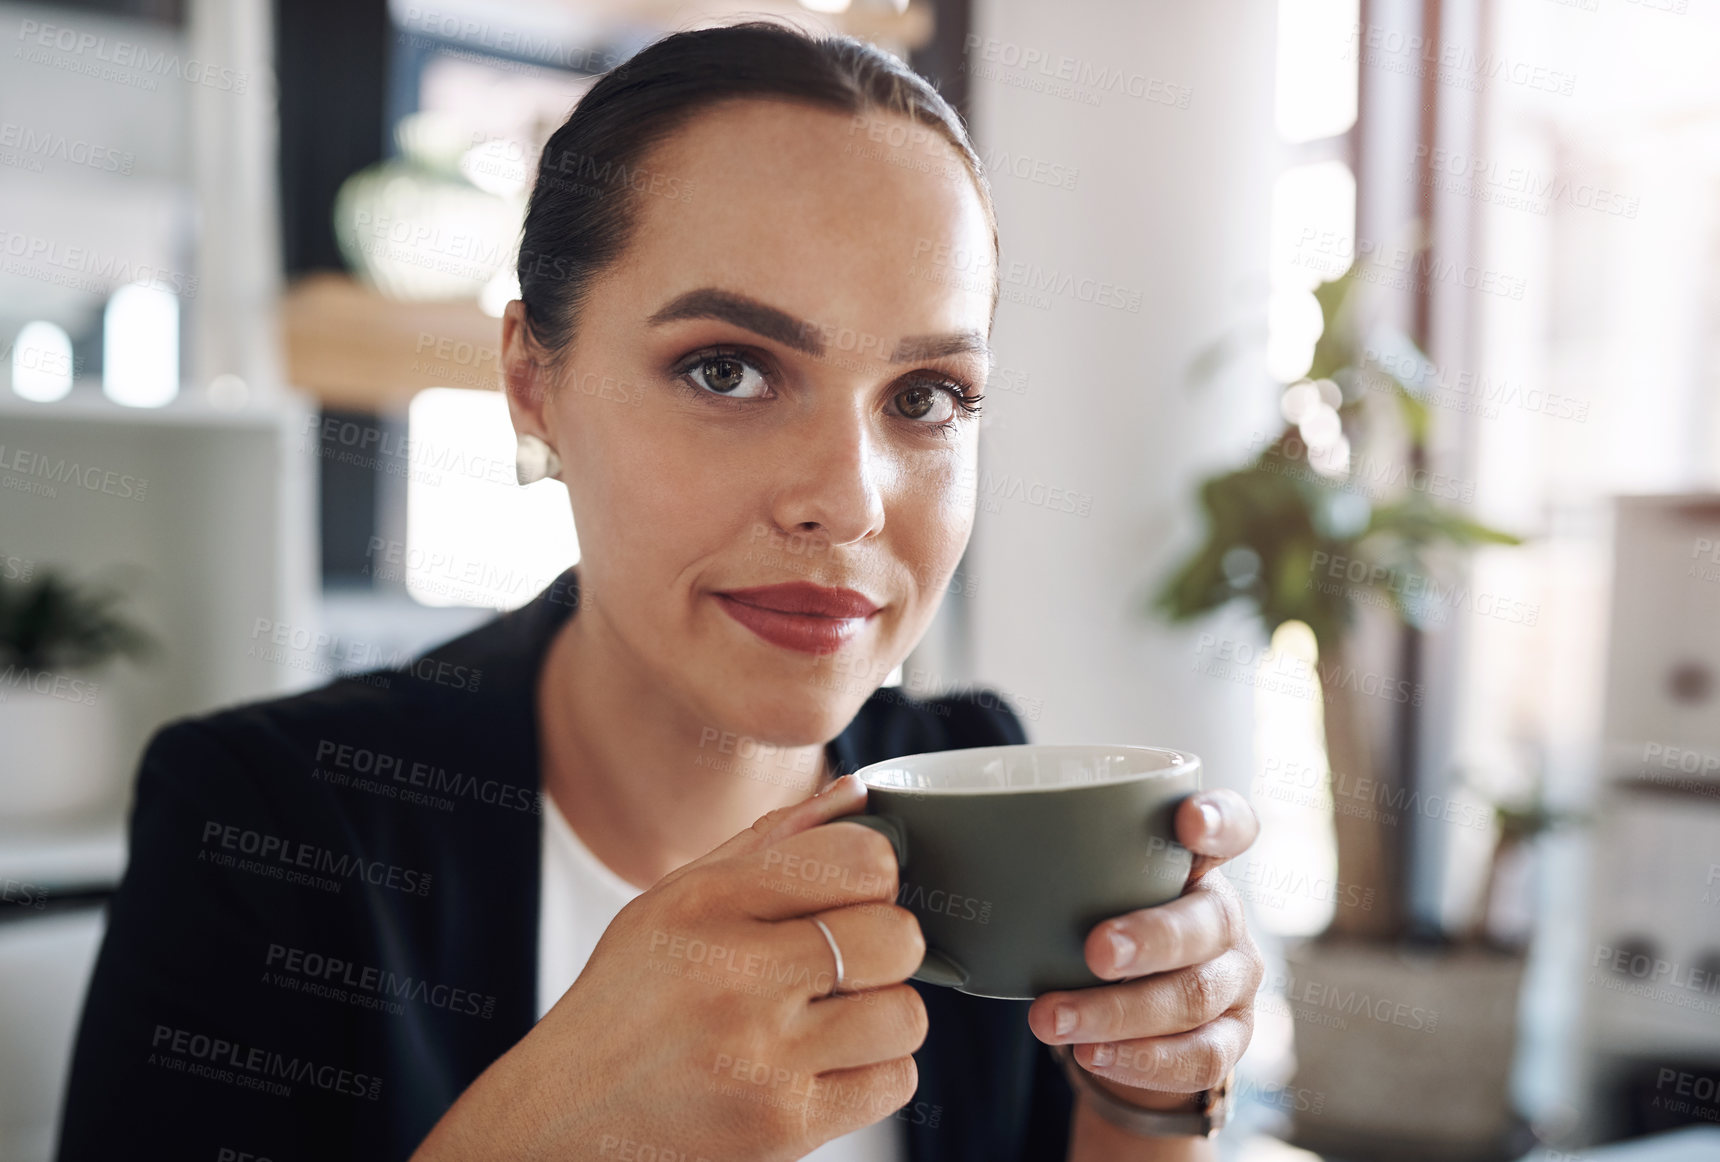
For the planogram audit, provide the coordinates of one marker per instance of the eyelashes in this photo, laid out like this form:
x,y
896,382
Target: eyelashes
x,y
731,383
967,396
964,397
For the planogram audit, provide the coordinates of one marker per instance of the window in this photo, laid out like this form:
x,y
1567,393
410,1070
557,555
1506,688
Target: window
x,y
1312,240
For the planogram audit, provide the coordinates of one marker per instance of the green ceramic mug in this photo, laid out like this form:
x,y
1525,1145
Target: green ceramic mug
x,y
1009,855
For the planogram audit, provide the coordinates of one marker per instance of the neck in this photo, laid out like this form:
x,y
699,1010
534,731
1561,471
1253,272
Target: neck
x,y
642,781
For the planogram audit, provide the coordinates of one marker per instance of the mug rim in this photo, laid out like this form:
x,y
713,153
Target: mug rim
x,y
1182,762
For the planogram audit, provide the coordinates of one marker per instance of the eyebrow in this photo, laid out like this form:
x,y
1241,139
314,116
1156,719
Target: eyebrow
x,y
799,334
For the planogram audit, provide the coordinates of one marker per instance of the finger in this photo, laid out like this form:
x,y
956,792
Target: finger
x,y
811,871
1217,826
1153,1006
842,797
851,1098
789,962
1183,1063
881,945
1202,923
867,1028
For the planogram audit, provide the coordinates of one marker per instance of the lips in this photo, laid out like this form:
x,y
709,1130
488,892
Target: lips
x,y
800,615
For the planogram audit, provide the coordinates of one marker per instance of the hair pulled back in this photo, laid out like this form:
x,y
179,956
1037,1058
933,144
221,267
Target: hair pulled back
x,y
584,203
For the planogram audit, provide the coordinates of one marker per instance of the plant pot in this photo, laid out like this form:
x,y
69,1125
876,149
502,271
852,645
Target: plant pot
x,y
58,747
415,228
1408,1051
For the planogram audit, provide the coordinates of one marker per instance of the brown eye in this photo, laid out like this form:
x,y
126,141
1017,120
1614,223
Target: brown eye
x,y
724,373
915,401
925,402
728,375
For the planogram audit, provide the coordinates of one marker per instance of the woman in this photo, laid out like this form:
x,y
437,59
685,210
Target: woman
x,y
517,900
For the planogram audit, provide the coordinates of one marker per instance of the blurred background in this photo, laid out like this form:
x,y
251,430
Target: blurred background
x,y
1355,425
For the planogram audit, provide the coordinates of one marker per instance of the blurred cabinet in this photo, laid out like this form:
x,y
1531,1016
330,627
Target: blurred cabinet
x,y
1651,971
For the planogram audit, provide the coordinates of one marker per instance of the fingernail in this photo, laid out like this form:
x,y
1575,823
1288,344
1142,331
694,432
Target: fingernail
x,y
1103,1055
1210,820
1065,1020
1123,950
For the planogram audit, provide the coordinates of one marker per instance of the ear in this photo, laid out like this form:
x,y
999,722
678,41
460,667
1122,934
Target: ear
x,y
524,377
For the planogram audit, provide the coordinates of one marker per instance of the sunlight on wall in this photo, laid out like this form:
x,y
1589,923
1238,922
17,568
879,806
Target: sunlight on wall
x,y
473,535
1313,221
140,347
1317,43
42,362
1292,873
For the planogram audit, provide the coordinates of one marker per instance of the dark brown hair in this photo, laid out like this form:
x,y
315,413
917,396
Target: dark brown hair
x,y
584,203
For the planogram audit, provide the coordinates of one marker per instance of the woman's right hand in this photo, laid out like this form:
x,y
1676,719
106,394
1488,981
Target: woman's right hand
x,y
702,1027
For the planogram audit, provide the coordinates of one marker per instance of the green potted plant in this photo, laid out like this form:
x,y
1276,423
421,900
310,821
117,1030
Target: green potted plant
x,y
56,727
1335,513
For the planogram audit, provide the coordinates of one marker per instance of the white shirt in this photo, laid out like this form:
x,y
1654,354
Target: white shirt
x,y
580,896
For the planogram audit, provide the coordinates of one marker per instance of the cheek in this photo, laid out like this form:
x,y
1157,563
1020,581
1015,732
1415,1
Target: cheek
x,y
642,496
933,517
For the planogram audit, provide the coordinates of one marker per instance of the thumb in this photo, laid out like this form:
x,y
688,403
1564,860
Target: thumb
x,y
1217,826
844,796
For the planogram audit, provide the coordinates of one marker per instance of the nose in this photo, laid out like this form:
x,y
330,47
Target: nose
x,y
833,474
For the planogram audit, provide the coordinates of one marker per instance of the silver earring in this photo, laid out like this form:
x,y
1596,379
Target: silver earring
x,y
535,460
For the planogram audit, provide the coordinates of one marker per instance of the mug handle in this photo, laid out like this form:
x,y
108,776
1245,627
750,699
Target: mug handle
x,y
935,967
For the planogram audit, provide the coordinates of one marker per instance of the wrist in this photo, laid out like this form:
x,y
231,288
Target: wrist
x,y
502,1114
1159,1101
1149,1113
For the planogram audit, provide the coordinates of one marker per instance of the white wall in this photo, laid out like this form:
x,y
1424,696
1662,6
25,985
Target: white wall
x,y
1172,203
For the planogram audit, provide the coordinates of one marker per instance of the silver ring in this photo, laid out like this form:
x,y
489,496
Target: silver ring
x,y
834,951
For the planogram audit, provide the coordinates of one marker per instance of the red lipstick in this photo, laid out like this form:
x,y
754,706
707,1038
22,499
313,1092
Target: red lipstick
x,y
800,615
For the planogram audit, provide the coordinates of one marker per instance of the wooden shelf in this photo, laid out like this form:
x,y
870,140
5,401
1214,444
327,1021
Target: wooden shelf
x,y
349,347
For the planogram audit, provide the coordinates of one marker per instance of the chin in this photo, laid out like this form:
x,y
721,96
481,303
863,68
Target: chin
x,y
791,712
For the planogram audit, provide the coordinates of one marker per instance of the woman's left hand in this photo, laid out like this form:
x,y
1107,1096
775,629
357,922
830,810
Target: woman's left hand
x,y
1182,1010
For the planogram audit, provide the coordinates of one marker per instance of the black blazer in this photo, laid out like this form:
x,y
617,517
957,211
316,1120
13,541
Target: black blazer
x,y
328,926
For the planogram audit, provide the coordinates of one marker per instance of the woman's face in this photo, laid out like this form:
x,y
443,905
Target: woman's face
x,y
772,387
